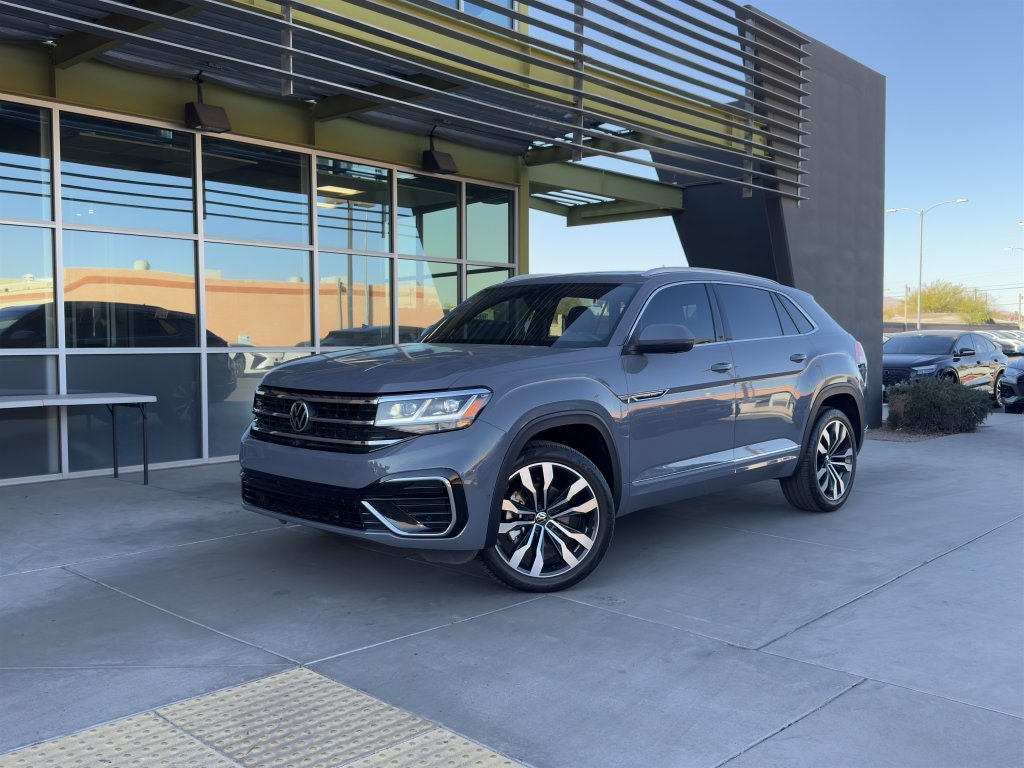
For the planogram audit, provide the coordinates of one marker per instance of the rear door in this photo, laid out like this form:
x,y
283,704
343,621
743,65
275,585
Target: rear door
x,y
768,366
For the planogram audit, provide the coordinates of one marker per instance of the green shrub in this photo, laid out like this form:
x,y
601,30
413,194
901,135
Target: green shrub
x,y
936,405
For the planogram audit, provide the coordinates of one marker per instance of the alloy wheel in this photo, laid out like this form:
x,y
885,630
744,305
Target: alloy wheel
x,y
834,460
550,520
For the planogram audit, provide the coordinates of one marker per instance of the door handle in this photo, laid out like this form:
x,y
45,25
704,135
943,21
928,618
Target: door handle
x,y
799,357
721,367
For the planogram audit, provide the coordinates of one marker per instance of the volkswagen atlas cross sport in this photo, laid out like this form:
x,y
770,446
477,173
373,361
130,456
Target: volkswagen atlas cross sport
x,y
540,409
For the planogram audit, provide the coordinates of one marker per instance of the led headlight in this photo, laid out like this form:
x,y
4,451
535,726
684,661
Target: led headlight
x,y
431,411
925,370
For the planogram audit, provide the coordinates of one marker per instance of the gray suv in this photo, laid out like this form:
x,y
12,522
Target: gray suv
x,y
539,410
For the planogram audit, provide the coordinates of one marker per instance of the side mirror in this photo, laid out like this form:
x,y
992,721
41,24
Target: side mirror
x,y
661,339
966,352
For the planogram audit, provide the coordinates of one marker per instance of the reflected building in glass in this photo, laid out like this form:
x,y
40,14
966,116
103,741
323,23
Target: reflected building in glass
x,y
143,258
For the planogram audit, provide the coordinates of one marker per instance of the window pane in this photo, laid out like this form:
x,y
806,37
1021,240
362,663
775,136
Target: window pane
x,y
174,418
129,291
682,305
788,326
799,318
24,162
426,291
353,206
258,296
26,287
479,278
488,224
255,193
355,300
488,14
123,175
749,312
29,437
428,219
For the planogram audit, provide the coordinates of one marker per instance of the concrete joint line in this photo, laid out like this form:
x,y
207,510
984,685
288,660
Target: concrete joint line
x,y
790,724
309,664
885,584
179,616
195,738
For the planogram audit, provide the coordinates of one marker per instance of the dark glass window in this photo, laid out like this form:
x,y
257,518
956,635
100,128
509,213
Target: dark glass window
x,y
25,162
427,291
353,206
355,300
26,287
117,174
488,224
258,296
428,220
803,325
29,437
685,304
749,312
255,193
788,325
478,278
129,291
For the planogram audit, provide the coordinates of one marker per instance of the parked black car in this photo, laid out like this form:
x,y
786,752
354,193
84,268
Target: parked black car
x,y
962,356
1011,386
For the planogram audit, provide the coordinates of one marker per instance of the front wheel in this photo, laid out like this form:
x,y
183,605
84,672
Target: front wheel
x,y
555,523
996,395
827,465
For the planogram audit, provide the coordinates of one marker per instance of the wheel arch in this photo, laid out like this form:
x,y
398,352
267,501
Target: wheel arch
x,y
843,397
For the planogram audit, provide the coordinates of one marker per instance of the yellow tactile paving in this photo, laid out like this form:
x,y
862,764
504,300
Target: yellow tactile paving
x,y
143,740
438,749
295,719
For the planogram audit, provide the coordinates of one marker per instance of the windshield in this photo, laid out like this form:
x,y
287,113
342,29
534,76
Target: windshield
x,y
918,345
537,314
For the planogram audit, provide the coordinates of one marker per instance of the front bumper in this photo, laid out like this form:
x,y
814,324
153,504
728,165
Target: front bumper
x,y
432,492
1012,392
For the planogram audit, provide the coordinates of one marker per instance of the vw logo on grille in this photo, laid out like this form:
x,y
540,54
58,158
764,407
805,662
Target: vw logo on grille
x,y
299,416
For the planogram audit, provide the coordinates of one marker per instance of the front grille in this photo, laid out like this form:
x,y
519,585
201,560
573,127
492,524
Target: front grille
x,y
316,502
337,422
895,375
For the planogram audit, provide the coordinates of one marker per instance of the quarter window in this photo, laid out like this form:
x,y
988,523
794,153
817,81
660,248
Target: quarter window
x,y
799,318
749,312
686,304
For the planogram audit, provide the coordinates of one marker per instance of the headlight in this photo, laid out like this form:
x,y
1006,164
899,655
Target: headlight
x,y
432,411
925,370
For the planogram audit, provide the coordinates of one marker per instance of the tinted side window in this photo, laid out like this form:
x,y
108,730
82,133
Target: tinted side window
x,y
967,341
749,312
788,325
685,304
799,318
983,344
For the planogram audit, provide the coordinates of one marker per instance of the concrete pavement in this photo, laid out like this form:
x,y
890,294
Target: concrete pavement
x,y
731,630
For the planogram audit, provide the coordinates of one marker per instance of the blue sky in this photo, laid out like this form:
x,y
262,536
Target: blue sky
x,y
954,128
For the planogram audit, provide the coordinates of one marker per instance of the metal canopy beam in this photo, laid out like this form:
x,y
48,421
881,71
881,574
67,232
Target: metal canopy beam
x,y
346,105
608,184
82,46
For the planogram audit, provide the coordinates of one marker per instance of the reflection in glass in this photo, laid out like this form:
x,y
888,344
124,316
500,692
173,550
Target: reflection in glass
x,y
24,162
173,420
488,14
478,278
426,292
129,291
26,287
488,224
258,296
427,216
29,437
117,174
355,300
353,205
255,193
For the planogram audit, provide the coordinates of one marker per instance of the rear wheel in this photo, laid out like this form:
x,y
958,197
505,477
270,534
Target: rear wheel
x,y
996,396
827,465
556,520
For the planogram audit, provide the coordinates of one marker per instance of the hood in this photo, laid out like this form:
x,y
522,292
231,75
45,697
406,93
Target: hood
x,y
910,360
417,367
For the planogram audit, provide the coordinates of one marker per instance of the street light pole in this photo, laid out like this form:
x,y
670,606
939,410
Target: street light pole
x,y
920,253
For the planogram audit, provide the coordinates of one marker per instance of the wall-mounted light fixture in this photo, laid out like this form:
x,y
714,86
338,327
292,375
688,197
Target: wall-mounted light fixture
x,y
438,162
205,117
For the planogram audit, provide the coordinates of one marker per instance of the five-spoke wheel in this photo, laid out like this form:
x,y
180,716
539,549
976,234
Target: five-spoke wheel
x,y
555,522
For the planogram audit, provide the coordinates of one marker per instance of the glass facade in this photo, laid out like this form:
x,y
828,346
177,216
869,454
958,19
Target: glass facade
x,y
184,266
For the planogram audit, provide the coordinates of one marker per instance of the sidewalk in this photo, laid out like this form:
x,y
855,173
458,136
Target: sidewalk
x,y
732,630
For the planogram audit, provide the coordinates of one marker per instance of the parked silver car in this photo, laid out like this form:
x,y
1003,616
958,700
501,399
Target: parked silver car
x,y
542,408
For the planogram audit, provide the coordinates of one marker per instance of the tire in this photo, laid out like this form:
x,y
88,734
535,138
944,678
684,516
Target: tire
x,y
544,544
996,397
950,376
827,467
